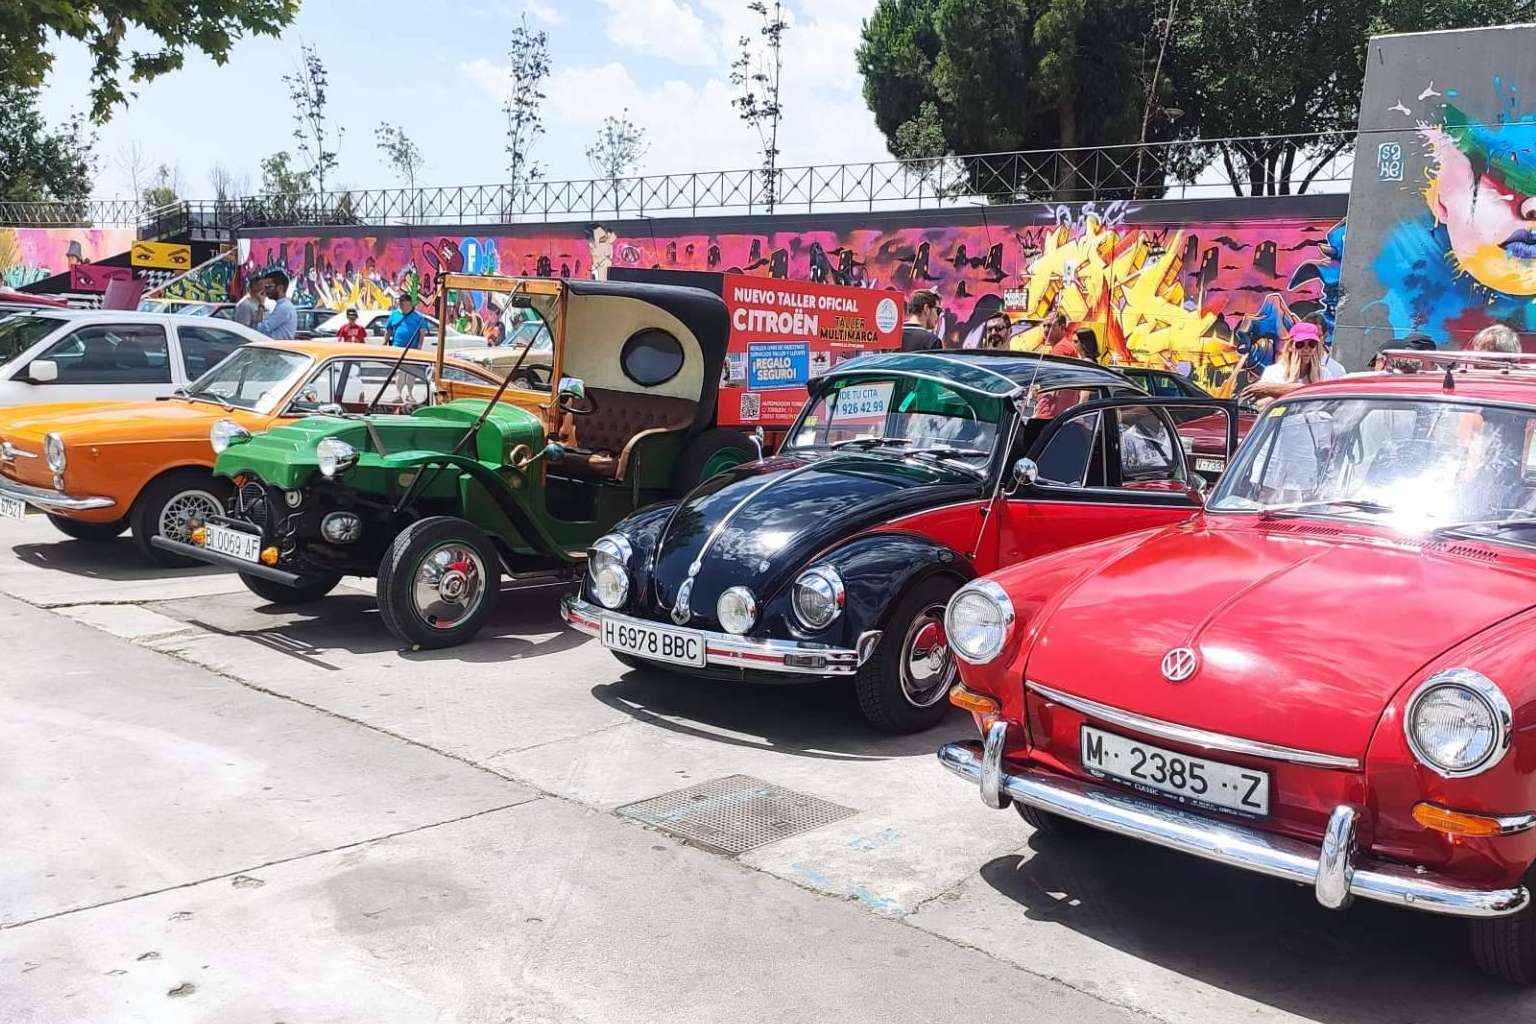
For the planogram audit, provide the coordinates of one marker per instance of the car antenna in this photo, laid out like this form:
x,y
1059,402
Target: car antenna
x,y
1450,381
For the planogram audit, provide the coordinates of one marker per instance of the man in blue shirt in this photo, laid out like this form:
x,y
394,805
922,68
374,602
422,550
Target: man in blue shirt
x,y
283,322
405,325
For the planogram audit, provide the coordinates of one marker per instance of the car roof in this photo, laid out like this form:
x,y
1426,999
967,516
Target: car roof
x,y
990,372
327,349
1469,385
121,316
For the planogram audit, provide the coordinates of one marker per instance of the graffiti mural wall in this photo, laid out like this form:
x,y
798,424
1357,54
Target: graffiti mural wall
x,y
1174,283
1444,193
31,254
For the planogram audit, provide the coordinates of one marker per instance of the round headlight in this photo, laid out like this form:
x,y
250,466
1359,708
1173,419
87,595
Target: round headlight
x,y
226,433
335,456
53,451
736,610
818,597
1458,722
978,621
608,567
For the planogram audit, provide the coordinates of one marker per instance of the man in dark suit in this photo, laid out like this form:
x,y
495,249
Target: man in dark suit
x,y
917,334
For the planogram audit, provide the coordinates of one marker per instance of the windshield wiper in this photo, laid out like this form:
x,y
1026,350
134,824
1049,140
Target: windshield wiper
x,y
203,396
1523,521
869,442
1306,507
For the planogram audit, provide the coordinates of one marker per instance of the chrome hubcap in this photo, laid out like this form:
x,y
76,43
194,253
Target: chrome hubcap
x,y
927,667
450,583
186,508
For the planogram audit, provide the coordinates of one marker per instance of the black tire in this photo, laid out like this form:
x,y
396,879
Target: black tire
x,y
708,454
313,588
1505,947
179,496
407,557
630,661
1045,822
883,696
95,533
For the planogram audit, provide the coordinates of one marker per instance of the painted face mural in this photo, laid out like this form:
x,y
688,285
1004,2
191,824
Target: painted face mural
x,y
1482,189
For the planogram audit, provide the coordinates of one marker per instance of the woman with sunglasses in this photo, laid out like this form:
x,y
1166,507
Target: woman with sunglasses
x,y
1302,360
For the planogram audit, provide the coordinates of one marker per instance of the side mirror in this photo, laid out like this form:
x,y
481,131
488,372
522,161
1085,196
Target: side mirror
x,y
330,409
554,451
43,371
575,387
1023,474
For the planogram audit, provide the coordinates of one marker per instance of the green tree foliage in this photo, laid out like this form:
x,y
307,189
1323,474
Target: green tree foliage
x,y
307,90
164,188
282,185
39,163
400,152
27,28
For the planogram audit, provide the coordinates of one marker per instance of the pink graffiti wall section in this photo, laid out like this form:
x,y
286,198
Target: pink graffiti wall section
x,y
1186,285
31,254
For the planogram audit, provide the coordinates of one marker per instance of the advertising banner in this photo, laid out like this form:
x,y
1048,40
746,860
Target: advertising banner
x,y
783,333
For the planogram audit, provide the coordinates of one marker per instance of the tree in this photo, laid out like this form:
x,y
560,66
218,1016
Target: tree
x,y
528,65
617,151
399,151
39,163
312,130
1007,75
920,141
281,188
228,185
164,188
28,27
756,73
134,167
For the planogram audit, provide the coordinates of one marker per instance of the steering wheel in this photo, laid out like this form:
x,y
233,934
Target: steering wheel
x,y
576,405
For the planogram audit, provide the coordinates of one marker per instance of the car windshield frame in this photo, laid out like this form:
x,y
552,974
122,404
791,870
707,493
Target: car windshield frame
x,y
1419,504
13,325
898,444
268,400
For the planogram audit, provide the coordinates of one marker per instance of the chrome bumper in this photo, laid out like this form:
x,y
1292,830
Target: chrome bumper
x,y
1333,871
726,650
50,501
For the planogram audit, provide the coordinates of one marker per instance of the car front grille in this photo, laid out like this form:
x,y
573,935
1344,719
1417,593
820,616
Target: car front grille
x,y
251,503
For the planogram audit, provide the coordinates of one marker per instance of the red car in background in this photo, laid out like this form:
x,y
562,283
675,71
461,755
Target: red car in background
x,y
1323,677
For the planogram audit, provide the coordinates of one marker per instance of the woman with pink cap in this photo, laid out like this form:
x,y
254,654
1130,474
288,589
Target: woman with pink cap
x,y
1303,360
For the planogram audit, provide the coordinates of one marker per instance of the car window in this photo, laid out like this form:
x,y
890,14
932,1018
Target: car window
x,y
203,348
1069,457
354,384
112,354
459,375
21,331
1149,449
651,357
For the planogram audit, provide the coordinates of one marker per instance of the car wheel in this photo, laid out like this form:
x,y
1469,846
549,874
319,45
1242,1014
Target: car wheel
x,y
95,532
712,452
1045,822
1505,947
904,686
169,507
630,661
438,582
312,588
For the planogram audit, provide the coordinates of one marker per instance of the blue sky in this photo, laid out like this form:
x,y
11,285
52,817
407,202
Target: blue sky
x,y
439,70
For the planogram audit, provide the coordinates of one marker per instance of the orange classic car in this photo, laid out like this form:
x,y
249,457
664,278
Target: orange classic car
x,y
99,468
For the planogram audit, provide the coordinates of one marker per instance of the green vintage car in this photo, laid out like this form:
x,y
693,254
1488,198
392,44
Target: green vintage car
x,y
439,500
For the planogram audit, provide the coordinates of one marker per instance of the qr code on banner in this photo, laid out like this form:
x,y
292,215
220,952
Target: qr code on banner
x,y
751,406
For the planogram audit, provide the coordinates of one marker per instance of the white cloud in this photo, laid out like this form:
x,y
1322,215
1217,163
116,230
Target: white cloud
x,y
538,10
667,29
510,10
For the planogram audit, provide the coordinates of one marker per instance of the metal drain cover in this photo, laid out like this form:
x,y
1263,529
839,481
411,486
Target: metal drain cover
x,y
735,814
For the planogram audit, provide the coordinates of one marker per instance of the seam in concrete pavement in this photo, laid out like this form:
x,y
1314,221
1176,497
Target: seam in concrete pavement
x,y
558,739
541,793
271,863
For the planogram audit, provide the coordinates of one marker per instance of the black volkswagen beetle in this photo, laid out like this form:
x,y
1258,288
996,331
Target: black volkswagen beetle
x,y
905,476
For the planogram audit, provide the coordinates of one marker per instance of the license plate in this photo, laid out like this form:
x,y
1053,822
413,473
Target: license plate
x,y
654,643
1203,465
1190,779
10,508
235,543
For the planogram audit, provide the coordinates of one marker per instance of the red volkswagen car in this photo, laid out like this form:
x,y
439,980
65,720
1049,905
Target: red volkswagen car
x,y
1326,676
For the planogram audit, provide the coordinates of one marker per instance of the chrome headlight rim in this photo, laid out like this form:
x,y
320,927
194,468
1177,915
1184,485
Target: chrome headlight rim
x,y
608,570
828,576
1482,689
53,451
737,626
226,433
333,456
1006,618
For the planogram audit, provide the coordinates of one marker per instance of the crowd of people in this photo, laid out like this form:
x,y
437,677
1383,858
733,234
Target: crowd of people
x,y
267,308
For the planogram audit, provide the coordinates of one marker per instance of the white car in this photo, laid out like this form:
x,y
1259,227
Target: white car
x,y
88,355
373,320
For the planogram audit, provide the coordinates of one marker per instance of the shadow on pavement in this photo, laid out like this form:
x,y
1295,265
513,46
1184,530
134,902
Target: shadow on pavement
x,y
116,560
816,720
1257,937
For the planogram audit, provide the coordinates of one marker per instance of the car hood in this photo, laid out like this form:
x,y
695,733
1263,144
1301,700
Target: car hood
x,y
1303,635
758,524
107,421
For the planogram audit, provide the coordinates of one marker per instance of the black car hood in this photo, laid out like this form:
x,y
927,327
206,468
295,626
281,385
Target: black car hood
x,y
757,525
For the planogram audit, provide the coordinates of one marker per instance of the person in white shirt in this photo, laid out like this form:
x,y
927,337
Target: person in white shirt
x,y
1302,361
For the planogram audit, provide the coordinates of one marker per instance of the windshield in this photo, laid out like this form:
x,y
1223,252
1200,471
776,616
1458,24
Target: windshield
x,y
20,332
1417,465
904,415
252,378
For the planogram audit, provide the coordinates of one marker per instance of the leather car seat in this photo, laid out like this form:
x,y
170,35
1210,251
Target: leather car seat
x,y
604,437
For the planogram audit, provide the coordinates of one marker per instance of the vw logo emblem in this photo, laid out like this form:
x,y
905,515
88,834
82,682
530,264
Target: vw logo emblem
x,y
680,609
1179,664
